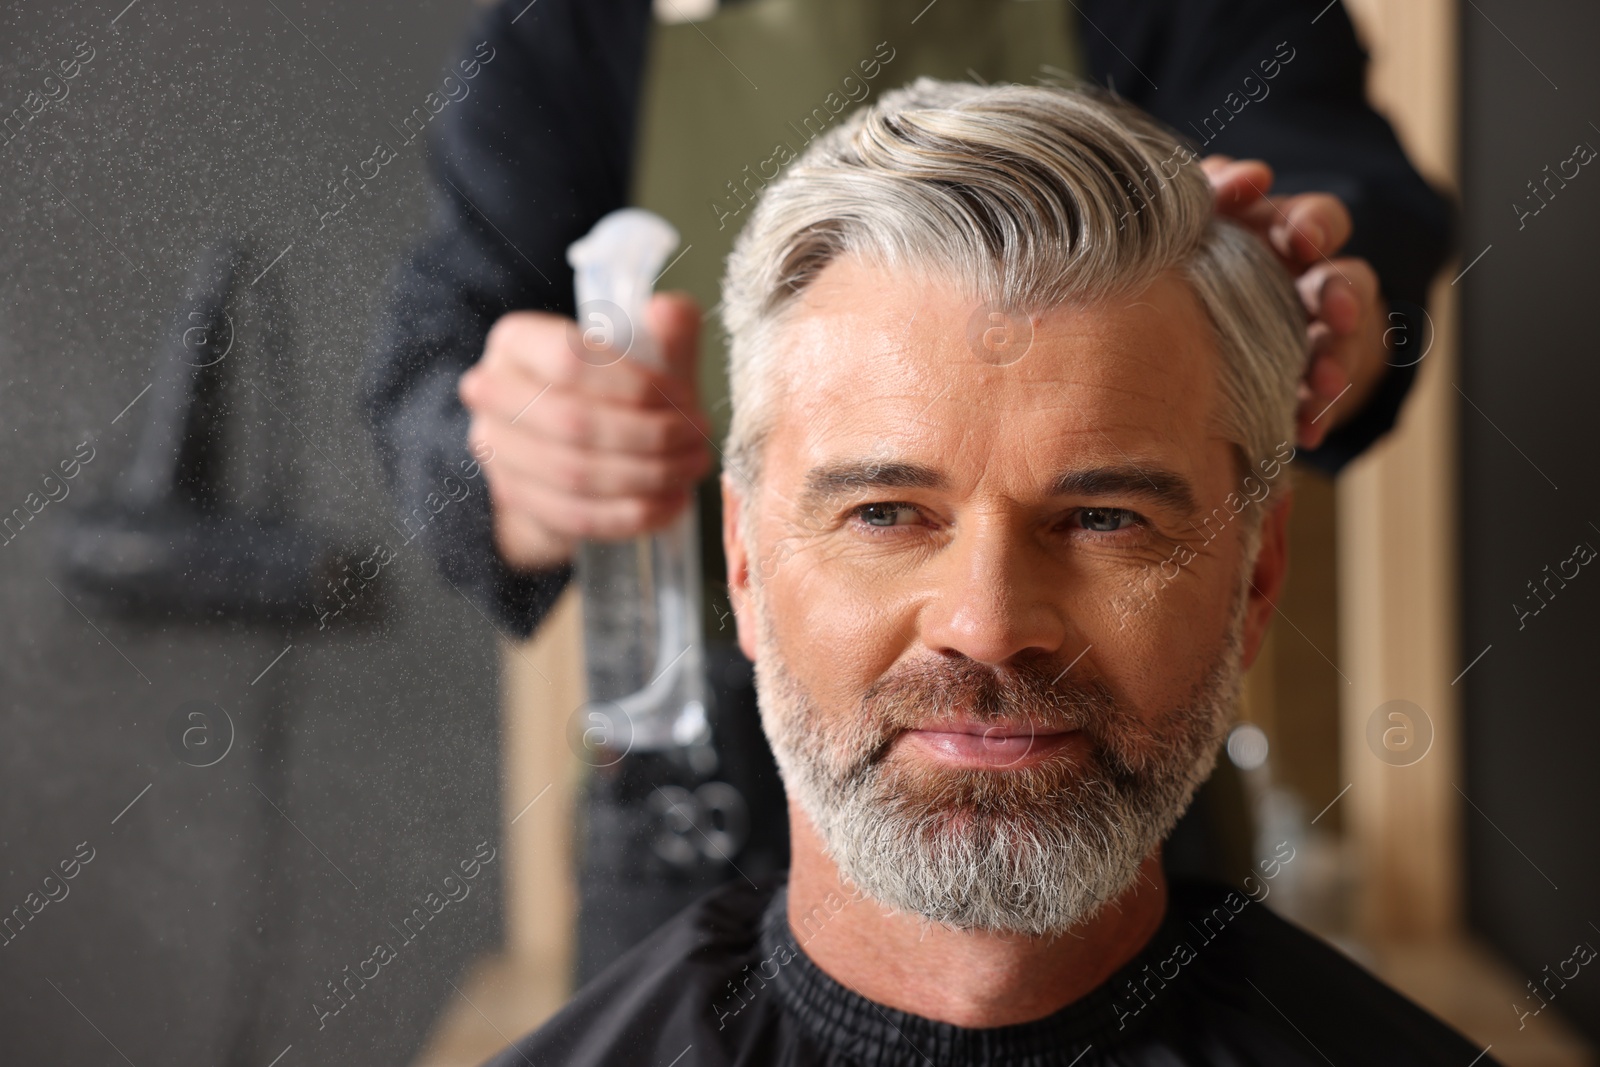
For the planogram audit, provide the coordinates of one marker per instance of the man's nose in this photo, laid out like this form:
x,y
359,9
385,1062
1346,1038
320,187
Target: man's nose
x,y
997,595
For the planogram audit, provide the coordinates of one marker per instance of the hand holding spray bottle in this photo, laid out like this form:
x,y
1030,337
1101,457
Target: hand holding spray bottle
x,y
641,598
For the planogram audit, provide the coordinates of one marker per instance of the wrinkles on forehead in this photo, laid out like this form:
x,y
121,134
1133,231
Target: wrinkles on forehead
x,y
878,371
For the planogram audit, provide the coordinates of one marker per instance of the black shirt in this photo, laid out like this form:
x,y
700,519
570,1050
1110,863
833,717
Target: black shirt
x,y
1224,982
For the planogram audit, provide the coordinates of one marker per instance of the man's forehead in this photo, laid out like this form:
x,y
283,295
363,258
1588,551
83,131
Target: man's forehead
x,y
881,365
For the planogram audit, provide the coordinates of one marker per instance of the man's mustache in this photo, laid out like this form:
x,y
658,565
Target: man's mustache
x,y
1033,693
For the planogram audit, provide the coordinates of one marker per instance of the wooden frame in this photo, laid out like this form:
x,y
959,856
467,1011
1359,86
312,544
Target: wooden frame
x,y
1398,545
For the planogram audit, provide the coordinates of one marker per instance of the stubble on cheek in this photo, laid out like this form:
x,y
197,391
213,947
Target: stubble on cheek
x,y
832,640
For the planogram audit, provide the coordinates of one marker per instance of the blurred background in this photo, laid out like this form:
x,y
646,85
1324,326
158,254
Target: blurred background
x,y
253,776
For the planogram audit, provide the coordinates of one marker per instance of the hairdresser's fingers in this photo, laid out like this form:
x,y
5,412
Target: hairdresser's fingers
x,y
525,543
602,475
575,517
542,510
555,415
1343,293
1236,184
578,441
1321,389
1309,228
522,459
673,318
543,505
1349,352
656,412
1303,229
545,349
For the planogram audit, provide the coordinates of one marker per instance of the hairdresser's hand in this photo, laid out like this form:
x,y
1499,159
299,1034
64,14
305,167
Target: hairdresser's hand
x,y
584,447
1349,351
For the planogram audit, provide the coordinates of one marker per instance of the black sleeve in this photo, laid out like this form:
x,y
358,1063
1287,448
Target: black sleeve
x,y
1181,60
526,163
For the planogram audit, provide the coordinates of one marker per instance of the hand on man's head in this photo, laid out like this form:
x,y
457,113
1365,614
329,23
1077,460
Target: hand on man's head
x,y
1341,293
583,443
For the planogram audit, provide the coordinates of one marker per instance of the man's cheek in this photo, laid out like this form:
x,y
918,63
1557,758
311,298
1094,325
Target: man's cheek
x,y
840,626
1145,633
832,617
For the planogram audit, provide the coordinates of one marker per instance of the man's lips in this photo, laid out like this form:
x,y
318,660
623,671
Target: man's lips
x,y
988,745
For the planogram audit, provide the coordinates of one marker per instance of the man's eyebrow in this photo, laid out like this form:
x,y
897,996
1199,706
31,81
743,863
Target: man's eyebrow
x,y
1151,483
831,480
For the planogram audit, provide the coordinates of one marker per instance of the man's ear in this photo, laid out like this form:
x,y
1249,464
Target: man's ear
x,y
1271,567
738,557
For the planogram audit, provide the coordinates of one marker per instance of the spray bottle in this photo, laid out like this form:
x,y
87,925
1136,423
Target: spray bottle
x,y
641,598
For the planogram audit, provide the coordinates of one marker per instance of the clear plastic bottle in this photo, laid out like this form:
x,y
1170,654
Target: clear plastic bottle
x,y
644,652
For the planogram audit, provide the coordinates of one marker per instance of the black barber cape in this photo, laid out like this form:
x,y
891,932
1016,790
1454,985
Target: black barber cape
x,y
1224,983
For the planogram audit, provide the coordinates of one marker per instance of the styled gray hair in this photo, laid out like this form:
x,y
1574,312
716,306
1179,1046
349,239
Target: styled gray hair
x,y
1027,197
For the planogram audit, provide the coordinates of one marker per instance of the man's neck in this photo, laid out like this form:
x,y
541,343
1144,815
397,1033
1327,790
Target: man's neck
x,y
972,979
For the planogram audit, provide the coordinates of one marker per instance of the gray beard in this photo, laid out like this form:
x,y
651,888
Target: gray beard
x,y
1033,851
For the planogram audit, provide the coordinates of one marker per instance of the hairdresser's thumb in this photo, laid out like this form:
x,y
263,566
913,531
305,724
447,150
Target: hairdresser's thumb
x,y
673,319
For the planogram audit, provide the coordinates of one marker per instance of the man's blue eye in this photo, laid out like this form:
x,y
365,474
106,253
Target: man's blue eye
x,y
880,514
1107,520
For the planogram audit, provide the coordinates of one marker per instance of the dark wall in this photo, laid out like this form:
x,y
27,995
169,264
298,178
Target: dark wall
x,y
1531,487
363,766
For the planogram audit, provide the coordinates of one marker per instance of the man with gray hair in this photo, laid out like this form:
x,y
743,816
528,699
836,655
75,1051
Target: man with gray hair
x,y
993,362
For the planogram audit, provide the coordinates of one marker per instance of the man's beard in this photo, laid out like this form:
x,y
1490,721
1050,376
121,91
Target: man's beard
x,y
1032,850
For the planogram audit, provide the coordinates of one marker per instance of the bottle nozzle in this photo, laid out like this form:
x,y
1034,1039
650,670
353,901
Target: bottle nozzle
x,y
615,266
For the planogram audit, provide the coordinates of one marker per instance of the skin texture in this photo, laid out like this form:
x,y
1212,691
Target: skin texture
x,y
611,452
991,567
